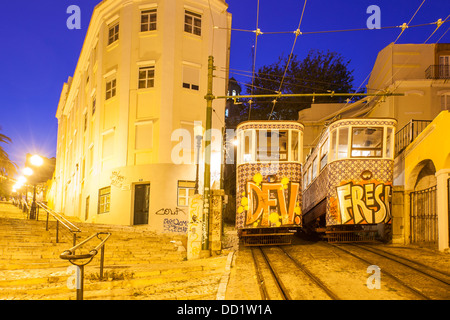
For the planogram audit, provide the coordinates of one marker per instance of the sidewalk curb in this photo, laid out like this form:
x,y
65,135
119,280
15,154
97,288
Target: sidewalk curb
x,y
225,278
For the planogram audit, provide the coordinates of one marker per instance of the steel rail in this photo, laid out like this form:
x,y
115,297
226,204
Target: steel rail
x,y
417,292
316,280
374,250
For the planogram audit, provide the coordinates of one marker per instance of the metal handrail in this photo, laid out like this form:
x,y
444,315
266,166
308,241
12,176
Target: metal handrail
x,y
73,258
60,219
408,133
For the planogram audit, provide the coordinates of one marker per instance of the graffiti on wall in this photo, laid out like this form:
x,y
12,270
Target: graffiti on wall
x,y
366,202
175,226
270,203
168,211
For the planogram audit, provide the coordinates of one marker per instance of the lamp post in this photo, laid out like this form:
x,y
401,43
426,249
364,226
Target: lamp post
x,y
35,161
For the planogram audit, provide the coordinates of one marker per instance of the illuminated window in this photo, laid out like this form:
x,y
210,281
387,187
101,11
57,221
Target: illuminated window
x,y
193,23
113,34
333,145
314,168
294,146
445,101
367,142
271,145
324,154
104,200
110,89
389,143
146,77
148,20
186,189
342,151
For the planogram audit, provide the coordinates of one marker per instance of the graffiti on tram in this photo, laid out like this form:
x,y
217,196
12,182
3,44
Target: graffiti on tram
x,y
366,202
271,204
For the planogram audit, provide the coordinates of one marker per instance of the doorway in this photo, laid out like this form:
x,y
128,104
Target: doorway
x,y
141,203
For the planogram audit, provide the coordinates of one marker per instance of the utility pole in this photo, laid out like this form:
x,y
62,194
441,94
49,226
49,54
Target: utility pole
x,y
207,181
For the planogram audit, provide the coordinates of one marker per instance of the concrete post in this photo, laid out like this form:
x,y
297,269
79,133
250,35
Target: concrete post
x,y
442,200
194,242
216,220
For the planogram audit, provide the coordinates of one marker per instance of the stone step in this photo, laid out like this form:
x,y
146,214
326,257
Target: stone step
x,y
143,283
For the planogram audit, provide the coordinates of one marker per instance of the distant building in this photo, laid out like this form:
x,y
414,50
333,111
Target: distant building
x,y
141,76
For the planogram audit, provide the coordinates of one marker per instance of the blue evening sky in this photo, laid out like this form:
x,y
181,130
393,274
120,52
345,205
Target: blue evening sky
x,y
38,53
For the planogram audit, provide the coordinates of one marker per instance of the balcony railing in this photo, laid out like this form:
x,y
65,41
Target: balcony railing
x,y
438,72
408,133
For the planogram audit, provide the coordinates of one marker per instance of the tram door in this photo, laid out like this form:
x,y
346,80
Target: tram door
x,y
141,203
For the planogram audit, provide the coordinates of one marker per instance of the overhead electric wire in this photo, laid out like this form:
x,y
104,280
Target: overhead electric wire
x,y
334,31
398,37
443,35
406,26
257,33
438,25
297,33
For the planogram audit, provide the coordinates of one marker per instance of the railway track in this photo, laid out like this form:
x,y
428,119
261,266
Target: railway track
x,y
277,284
424,281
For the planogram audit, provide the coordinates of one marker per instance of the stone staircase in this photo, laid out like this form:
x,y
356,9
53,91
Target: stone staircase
x,y
139,264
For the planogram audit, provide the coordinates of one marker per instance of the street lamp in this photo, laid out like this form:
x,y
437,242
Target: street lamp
x,y
35,161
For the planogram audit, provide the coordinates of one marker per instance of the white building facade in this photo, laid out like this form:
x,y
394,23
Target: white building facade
x,y
141,76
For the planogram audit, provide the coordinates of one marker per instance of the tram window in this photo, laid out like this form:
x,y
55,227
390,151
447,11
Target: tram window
x,y
309,174
324,154
389,143
343,143
367,142
333,146
294,146
247,147
272,145
314,168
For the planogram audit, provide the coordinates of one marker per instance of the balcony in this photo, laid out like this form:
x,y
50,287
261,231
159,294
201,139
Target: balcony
x,y
408,133
441,71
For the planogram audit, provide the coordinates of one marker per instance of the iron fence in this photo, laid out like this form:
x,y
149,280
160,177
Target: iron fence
x,y
423,217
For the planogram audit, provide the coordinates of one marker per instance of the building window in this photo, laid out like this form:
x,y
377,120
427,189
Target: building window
x,y
146,77
191,78
104,200
186,189
85,122
193,23
113,34
144,136
445,102
110,89
148,20
94,102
